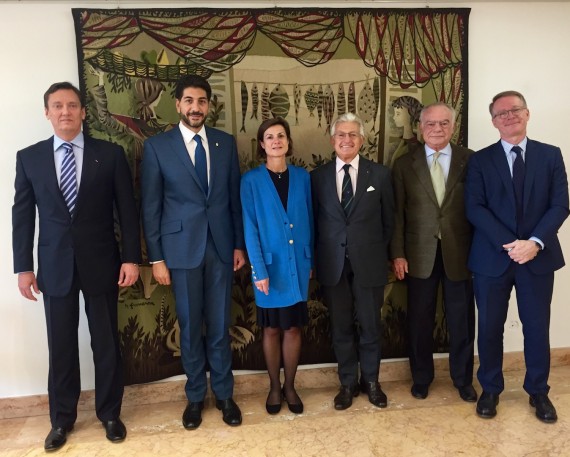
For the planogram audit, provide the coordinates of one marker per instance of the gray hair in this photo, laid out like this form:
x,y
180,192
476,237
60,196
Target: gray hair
x,y
450,108
348,117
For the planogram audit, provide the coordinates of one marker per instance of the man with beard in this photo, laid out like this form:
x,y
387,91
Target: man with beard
x,y
193,228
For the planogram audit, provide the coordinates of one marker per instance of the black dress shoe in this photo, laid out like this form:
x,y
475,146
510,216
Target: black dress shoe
x,y
467,393
375,394
545,410
56,438
344,397
192,417
276,407
420,391
295,408
487,405
115,430
230,411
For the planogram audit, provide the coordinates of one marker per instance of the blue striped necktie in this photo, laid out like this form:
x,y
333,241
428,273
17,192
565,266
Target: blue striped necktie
x,y
347,194
68,178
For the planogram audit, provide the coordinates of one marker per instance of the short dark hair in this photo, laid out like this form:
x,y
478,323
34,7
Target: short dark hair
x,y
270,123
412,104
507,93
62,86
192,81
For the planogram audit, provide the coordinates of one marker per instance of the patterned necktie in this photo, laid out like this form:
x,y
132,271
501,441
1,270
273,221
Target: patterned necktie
x,y
518,181
68,178
347,194
437,178
200,163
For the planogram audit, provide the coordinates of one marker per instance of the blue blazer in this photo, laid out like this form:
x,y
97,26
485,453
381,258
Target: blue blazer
x,y
279,244
176,213
490,207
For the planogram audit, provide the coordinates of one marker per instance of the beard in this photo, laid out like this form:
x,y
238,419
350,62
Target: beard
x,y
193,124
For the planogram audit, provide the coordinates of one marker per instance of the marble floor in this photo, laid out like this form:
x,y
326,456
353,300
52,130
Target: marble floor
x,y
442,425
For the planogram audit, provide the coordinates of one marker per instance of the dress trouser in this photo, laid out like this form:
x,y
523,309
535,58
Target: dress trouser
x,y
64,385
460,317
355,326
203,297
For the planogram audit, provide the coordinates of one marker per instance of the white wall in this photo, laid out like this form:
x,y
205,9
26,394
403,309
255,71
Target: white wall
x,y
512,45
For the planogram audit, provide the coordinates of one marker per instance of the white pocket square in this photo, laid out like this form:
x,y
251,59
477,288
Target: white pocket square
x,y
370,189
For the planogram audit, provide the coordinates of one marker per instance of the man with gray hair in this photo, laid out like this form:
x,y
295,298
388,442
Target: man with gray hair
x,y
354,213
430,248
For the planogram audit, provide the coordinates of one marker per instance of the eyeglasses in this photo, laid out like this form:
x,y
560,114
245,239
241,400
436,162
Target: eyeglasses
x,y
516,112
342,135
432,124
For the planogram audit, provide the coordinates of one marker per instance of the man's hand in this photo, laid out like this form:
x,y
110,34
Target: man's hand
x,y
26,282
239,259
128,275
161,273
400,267
263,286
521,251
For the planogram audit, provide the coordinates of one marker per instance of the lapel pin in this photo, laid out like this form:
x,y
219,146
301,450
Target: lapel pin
x,y
216,144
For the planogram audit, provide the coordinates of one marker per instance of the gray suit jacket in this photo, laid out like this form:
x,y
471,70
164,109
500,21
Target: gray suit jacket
x,y
419,217
365,233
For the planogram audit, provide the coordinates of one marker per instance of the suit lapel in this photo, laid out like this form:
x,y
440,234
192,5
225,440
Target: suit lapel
x,y
420,167
531,158
500,161
177,144
330,185
361,181
91,163
47,165
215,160
456,169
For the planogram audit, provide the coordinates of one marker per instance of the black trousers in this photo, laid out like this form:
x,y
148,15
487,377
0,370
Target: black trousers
x,y
460,315
355,326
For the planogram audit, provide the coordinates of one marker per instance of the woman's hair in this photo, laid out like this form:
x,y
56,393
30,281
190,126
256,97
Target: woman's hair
x,y
413,106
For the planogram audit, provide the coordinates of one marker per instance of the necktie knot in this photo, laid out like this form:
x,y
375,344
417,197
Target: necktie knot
x,y
347,194
200,163
346,167
517,150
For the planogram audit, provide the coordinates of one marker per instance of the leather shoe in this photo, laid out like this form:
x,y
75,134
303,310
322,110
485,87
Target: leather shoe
x,y
275,407
487,405
295,408
545,410
420,391
467,393
192,417
344,397
230,411
56,438
115,430
375,394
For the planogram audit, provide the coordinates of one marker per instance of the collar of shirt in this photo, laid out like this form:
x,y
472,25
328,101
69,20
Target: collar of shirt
x,y
353,172
444,158
78,141
188,135
353,164
508,146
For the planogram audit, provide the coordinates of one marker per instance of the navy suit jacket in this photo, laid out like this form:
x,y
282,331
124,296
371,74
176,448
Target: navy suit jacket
x,y
367,229
176,212
490,207
279,243
86,239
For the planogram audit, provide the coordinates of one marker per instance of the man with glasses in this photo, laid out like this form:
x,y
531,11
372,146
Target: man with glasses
x,y
354,214
430,248
516,197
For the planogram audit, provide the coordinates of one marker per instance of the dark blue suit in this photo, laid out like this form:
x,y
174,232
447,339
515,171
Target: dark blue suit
x,y
78,252
195,234
490,207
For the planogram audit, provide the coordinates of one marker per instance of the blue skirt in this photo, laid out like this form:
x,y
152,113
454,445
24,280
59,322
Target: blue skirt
x,y
296,315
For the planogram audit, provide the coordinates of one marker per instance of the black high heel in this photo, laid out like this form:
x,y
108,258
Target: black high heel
x,y
295,408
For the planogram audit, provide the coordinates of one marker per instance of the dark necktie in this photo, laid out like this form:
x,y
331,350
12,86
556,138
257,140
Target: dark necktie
x,y
200,163
518,181
68,178
347,194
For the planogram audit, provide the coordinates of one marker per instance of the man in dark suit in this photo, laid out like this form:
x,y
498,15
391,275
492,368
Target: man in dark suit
x,y
430,245
193,229
77,251
516,197
354,219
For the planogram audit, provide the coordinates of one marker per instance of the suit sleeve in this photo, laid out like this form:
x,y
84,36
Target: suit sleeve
x,y
127,210
235,202
397,245
477,210
23,220
557,211
251,229
152,192
308,196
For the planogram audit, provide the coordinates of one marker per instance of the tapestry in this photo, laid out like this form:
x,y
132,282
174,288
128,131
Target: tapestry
x,y
307,65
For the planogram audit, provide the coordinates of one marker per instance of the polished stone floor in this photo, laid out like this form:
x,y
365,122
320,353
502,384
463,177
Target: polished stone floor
x,y
442,425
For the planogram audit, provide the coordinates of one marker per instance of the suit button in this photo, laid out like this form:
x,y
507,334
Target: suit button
x,y
291,226
290,241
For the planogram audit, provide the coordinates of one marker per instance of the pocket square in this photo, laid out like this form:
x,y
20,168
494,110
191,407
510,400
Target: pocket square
x,y
370,189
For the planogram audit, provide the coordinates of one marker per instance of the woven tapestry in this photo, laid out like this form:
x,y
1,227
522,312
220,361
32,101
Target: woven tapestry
x,y
306,65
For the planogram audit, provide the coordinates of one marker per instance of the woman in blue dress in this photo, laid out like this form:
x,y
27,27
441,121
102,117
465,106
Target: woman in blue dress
x,y
278,224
